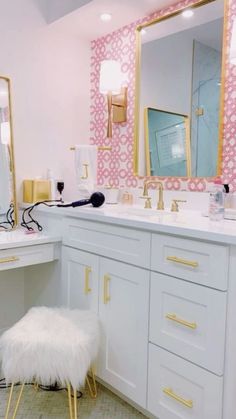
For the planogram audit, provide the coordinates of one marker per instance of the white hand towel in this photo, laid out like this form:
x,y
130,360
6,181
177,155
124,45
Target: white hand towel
x,y
86,169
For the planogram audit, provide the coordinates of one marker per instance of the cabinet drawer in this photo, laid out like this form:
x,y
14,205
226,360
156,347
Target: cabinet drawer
x,y
25,256
178,389
114,242
200,262
184,318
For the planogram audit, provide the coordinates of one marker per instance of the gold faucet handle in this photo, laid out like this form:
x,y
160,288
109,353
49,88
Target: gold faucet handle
x,y
148,201
175,206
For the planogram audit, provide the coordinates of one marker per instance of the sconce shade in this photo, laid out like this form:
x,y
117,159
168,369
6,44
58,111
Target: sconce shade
x,y
232,52
110,77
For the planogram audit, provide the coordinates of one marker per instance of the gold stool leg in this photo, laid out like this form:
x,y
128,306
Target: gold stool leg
x,y
75,403
69,400
93,385
9,402
18,401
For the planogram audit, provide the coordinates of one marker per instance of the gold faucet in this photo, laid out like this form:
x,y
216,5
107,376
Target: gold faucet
x,y
160,203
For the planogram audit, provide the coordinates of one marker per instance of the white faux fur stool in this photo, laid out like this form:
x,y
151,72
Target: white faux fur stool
x,y
50,345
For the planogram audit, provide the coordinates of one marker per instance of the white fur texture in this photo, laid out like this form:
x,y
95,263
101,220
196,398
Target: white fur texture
x,y
50,344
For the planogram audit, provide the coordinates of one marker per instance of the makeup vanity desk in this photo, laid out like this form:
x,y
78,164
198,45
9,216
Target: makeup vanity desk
x,y
18,249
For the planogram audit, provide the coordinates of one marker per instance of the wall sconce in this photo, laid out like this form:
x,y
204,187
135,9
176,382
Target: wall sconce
x,y
111,85
232,51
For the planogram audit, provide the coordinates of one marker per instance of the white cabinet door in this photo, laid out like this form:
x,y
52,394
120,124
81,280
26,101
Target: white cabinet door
x,y
79,279
123,312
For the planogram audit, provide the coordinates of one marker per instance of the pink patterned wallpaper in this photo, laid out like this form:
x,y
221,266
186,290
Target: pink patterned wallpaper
x,y
116,167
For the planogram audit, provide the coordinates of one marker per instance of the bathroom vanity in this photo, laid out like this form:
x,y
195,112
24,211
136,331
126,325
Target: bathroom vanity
x,y
163,287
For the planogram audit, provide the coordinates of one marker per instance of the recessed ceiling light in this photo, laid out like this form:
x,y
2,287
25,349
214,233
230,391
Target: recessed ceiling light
x,y
187,13
105,17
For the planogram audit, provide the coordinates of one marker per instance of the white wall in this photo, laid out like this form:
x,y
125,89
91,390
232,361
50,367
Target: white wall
x,y
49,70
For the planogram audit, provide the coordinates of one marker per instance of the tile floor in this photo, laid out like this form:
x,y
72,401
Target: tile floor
x,y
53,405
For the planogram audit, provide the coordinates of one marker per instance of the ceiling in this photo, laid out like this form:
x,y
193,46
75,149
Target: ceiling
x,y
85,21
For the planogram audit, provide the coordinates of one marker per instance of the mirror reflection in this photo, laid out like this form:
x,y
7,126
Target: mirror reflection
x,y
179,86
7,181
168,144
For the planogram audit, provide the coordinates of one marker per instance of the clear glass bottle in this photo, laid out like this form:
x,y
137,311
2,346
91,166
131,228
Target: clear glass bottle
x,y
216,202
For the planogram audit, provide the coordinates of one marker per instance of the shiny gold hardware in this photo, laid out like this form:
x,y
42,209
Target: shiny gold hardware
x,y
92,385
148,201
175,259
160,203
106,296
174,318
100,148
88,271
9,259
175,206
199,111
17,402
85,176
119,104
169,392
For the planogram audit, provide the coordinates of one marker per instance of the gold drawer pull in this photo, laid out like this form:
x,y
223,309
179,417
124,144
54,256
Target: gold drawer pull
x,y
169,392
106,296
191,263
174,318
9,259
87,289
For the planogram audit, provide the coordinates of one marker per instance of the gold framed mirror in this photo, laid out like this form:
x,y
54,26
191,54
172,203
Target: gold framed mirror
x,y
180,70
8,206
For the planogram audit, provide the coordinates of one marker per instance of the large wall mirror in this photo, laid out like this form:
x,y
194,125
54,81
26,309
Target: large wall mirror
x,y
8,215
179,93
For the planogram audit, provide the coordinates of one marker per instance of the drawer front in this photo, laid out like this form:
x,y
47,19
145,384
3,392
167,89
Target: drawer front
x,y
183,319
25,256
203,263
114,242
178,389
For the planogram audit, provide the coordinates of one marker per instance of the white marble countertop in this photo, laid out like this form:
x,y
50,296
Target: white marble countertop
x,y
19,238
189,223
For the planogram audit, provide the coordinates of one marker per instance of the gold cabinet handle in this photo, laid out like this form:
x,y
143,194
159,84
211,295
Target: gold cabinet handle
x,y
174,318
106,296
9,259
169,392
191,263
87,289
85,176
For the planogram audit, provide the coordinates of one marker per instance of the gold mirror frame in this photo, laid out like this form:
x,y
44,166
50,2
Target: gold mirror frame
x,y
11,153
137,83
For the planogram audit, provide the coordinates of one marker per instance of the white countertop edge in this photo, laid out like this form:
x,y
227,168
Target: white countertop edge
x,y
18,238
220,232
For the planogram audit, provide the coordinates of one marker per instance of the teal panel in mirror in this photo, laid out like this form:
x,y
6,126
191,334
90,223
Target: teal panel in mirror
x,y
167,140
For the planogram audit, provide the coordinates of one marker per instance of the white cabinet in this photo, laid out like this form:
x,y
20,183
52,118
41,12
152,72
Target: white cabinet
x,y
123,310
181,390
80,279
122,293
183,318
162,303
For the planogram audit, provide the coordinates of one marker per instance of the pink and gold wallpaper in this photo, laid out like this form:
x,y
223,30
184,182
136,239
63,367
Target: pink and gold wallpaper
x,y
116,167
